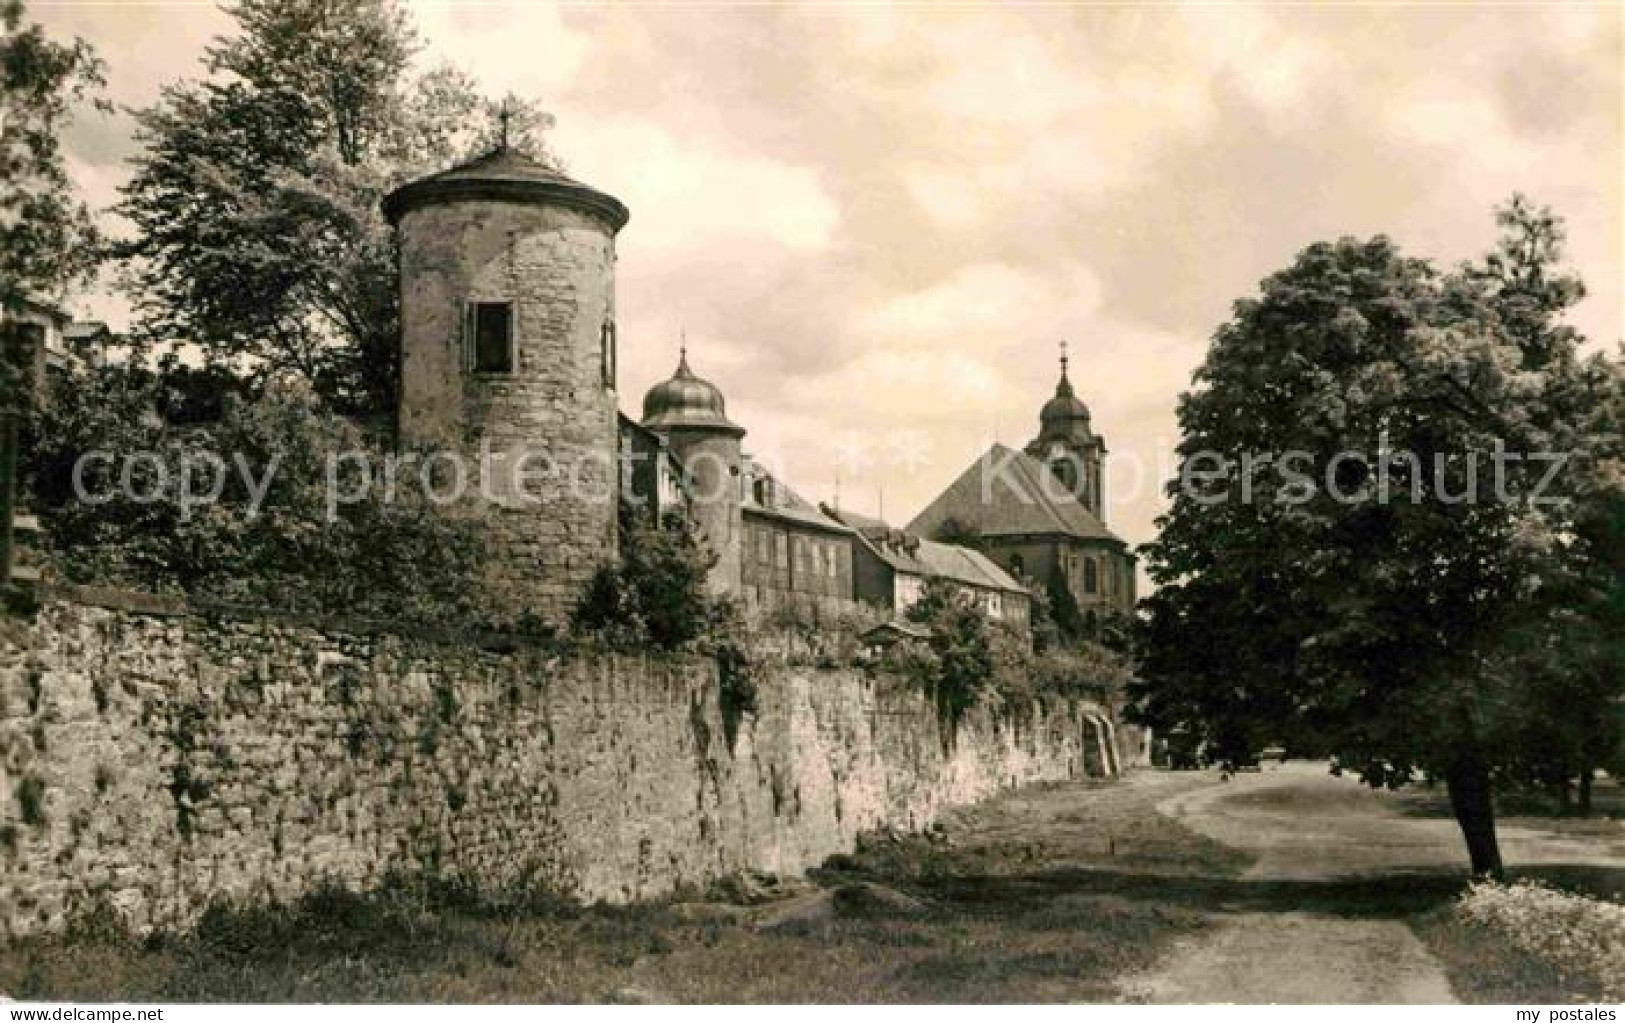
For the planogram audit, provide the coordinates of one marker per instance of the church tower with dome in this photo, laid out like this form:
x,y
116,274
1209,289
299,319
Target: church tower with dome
x,y
691,415
1074,453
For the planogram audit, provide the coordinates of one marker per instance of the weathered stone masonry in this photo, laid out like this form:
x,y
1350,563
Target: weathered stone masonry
x,y
158,758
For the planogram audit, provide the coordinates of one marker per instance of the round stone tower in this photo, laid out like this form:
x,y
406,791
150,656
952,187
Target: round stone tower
x,y
691,414
507,275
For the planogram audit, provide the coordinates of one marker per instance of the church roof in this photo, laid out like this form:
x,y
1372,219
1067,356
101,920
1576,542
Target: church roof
x,y
507,175
1008,493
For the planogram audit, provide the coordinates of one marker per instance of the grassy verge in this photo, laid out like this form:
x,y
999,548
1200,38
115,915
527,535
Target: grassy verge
x,y
1486,969
1492,962
1532,809
1496,964
1001,904
1077,825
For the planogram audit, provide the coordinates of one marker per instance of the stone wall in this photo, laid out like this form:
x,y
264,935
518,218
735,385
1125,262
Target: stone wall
x,y
155,758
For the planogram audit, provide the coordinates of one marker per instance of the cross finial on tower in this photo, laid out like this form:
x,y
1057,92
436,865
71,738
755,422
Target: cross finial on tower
x,y
1063,358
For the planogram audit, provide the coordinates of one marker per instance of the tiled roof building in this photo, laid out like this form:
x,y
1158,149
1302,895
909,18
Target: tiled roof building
x,y
891,567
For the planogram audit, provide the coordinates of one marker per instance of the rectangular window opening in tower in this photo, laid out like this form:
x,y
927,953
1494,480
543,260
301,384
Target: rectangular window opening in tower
x,y
491,337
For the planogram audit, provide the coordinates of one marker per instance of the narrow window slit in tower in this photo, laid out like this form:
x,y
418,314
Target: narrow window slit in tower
x,y
492,341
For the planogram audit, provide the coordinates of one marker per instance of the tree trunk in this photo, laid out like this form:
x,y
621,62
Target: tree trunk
x,y
1565,797
1468,781
1585,791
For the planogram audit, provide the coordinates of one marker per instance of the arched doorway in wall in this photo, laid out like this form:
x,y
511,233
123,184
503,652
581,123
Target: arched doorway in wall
x,y
1113,756
1098,761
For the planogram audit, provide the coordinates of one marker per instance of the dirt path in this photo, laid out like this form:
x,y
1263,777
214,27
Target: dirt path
x,y
1298,958
1305,827
1303,824
1320,844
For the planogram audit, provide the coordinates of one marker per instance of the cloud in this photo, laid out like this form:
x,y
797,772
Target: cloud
x,y
687,198
981,305
530,50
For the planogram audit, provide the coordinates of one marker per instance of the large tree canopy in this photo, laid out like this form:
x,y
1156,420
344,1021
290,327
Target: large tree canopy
x,y
255,200
1375,518
47,239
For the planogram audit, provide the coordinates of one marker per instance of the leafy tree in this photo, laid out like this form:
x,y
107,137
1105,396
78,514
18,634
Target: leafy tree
x,y
1064,613
335,62
1570,654
257,533
1524,280
964,662
256,198
1084,671
665,570
47,239
1343,560
972,660
657,592
190,395
1600,531
1041,625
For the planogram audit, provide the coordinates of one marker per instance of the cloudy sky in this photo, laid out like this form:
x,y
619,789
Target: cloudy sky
x,y
876,223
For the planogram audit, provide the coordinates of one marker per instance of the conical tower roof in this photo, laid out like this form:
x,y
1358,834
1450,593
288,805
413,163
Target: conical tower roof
x,y
505,174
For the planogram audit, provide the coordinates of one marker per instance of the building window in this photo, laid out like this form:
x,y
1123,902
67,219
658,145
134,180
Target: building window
x,y
781,550
834,562
490,337
606,354
1090,575
761,491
